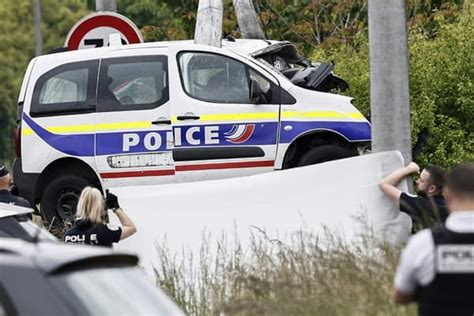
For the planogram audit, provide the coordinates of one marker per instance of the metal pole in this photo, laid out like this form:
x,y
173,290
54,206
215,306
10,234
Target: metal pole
x,y
209,23
106,5
38,34
249,23
389,94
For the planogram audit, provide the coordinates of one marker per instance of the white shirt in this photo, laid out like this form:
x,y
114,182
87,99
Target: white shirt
x,y
416,265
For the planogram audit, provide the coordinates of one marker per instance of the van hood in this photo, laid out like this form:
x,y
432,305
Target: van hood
x,y
284,58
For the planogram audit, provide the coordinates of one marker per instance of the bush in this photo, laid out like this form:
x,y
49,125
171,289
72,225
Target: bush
x,y
441,84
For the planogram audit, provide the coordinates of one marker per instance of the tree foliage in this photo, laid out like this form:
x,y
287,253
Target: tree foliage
x,y
325,23
17,47
441,84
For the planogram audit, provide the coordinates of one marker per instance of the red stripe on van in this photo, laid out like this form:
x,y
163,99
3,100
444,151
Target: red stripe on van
x,y
134,174
228,165
169,172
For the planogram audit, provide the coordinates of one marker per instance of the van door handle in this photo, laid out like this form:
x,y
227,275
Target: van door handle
x,y
161,122
187,117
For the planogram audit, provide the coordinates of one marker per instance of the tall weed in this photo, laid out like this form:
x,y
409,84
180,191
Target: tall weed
x,y
308,275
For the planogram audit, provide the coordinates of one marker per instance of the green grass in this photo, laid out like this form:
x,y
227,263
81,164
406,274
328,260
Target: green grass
x,y
309,275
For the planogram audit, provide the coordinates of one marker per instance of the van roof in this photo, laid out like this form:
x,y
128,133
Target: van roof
x,y
243,46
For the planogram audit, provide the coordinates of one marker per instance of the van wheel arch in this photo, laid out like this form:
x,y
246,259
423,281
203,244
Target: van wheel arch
x,y
64,167
311,140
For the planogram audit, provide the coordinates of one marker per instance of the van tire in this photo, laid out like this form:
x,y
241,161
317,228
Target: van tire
x,y
60,198
324,153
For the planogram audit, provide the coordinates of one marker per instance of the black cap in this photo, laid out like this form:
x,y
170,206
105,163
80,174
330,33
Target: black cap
x,y
3,171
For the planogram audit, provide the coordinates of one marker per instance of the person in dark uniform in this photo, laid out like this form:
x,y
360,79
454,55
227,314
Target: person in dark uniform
x,y
436,267
89,228
426,208
5,194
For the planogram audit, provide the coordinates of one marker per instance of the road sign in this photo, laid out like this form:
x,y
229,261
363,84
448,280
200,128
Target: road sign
x,y
94,29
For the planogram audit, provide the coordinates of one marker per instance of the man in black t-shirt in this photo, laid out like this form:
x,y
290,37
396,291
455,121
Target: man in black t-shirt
x,y
426,208
5,195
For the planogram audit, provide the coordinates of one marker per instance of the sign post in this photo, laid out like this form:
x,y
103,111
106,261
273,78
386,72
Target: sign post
x,y
94,29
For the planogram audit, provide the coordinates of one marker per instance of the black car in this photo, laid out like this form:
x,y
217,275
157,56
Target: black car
x,y
15,222
48,278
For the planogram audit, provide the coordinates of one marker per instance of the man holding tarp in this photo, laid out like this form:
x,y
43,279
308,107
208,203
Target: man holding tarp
x,y
428,206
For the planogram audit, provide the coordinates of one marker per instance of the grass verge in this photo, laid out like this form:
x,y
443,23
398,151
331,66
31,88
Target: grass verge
x,y
308,275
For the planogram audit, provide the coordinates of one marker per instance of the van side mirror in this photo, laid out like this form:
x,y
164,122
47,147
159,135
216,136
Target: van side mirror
x,y
256,94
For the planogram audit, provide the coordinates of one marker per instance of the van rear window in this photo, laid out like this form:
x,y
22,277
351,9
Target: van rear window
x,y
69,86
67,89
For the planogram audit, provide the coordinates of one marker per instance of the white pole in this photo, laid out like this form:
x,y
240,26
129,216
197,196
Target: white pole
x,y
106,5
38,34
389,94
209,23
249,23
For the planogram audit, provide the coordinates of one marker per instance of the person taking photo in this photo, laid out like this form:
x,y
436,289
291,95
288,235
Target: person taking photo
x,y
89,228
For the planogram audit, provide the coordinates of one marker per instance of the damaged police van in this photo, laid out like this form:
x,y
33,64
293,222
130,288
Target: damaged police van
x,y
173,112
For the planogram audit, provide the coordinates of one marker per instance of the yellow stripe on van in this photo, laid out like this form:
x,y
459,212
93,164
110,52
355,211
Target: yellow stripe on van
x,y
89,128
26,132
122,125
238,116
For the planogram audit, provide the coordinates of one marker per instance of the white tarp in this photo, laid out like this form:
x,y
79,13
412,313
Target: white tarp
x,y
330,195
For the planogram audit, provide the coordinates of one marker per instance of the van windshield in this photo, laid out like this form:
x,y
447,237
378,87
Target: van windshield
x,y
118,291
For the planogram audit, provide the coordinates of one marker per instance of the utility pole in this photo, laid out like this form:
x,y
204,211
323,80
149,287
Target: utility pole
x,y
38,35
249,23
389,94
209,23
106,5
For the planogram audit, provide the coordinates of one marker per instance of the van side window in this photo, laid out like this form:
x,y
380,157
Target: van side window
x,y
217,78
133,83
67,89
68,86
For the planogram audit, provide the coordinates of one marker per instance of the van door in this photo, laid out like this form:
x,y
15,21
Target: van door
x,y
133,127
219,131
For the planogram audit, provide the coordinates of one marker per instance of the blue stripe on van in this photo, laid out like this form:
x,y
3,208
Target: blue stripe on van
x,y
264,133
75,145
353,131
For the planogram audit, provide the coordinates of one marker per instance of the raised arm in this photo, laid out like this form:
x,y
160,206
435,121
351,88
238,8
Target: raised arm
x,y
128,227
389,184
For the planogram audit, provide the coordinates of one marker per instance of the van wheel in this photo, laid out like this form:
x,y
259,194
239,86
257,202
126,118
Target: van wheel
x,y
324,153
60,198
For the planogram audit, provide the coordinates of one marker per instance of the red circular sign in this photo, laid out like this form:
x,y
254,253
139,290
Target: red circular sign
x,y
95,21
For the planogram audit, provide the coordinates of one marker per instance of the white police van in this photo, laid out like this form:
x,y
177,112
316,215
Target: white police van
x,y
175,111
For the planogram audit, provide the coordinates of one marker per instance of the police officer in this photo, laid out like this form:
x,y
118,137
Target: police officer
x,y
5,195
426,208
436,268
89,228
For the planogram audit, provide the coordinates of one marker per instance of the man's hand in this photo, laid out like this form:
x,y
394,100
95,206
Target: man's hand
x,y
111,200
413,167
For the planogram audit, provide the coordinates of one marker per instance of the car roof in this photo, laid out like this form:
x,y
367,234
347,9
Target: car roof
x,y
54,258
7,210
242,46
